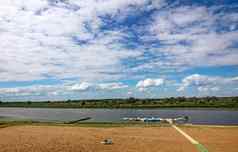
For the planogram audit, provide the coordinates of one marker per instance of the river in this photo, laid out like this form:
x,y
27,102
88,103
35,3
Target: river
x,y
196,116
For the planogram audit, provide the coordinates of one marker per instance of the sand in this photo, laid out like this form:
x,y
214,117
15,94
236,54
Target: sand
x,y
215,139
32,138
82,139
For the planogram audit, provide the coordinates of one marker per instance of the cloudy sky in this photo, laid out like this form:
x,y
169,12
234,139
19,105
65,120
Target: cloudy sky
x,y
77,49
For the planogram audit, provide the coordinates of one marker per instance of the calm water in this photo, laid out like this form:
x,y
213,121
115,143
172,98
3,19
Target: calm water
x,y
197,116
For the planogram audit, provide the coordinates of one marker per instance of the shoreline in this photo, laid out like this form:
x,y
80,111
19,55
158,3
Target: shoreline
x,y
110,124
134,108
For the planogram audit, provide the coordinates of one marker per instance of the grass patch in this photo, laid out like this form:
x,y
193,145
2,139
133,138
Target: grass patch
x,y
208,126
83,124
4,124
201,148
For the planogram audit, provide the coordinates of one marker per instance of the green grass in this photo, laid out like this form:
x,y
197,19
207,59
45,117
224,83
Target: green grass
x,y
82,124
201,148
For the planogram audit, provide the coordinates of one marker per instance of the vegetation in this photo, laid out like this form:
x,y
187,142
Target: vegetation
x,y
83,124
178,102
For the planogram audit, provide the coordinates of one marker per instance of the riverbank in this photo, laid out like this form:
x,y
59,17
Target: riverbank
x,y
196,116
178,102
107,124
81,124
86,137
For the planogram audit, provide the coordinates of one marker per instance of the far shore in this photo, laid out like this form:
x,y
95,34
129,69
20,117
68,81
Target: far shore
x,y
106,124
135,103
146,108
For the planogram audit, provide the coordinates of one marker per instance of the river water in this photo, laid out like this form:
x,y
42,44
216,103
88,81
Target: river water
x,y
196,116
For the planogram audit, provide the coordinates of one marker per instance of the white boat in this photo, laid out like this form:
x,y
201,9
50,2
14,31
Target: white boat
x,y
156,119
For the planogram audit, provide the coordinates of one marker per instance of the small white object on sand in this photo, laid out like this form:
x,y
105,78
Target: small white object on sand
x,y
107,141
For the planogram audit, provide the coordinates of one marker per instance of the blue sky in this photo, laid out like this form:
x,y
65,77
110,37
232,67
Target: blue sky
x,y
83,49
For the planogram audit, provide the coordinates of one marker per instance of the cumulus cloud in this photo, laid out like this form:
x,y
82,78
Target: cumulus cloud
x,y
60,39
81,87
100,41
192,36
147,83
205,89
196,80
112,86
206,83
35,90
64,39
85,86
63,89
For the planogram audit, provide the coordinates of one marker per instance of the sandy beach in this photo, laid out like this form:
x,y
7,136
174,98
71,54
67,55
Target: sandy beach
x,y
43,138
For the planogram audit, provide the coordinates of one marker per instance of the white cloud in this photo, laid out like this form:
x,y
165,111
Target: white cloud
x,y
129,93
112,86
192,36
205,89
81,87
147,83
63,89
37,40
197,80
206,83
34,90
41,38
85,86
183,16
63,39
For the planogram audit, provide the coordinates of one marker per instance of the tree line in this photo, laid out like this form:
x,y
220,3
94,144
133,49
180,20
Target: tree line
x,y
171,102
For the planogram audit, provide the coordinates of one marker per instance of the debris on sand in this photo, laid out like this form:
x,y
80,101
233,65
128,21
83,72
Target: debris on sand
x,y
107,141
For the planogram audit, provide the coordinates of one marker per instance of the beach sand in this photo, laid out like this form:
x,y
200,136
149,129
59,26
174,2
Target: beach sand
x,y
43,138
216,139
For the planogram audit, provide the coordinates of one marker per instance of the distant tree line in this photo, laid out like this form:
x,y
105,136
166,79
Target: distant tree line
x,y
179,102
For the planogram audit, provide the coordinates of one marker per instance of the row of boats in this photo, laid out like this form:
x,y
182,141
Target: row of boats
x,y
156,119
183,119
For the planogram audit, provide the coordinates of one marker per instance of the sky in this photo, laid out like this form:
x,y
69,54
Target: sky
x,y
95,49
